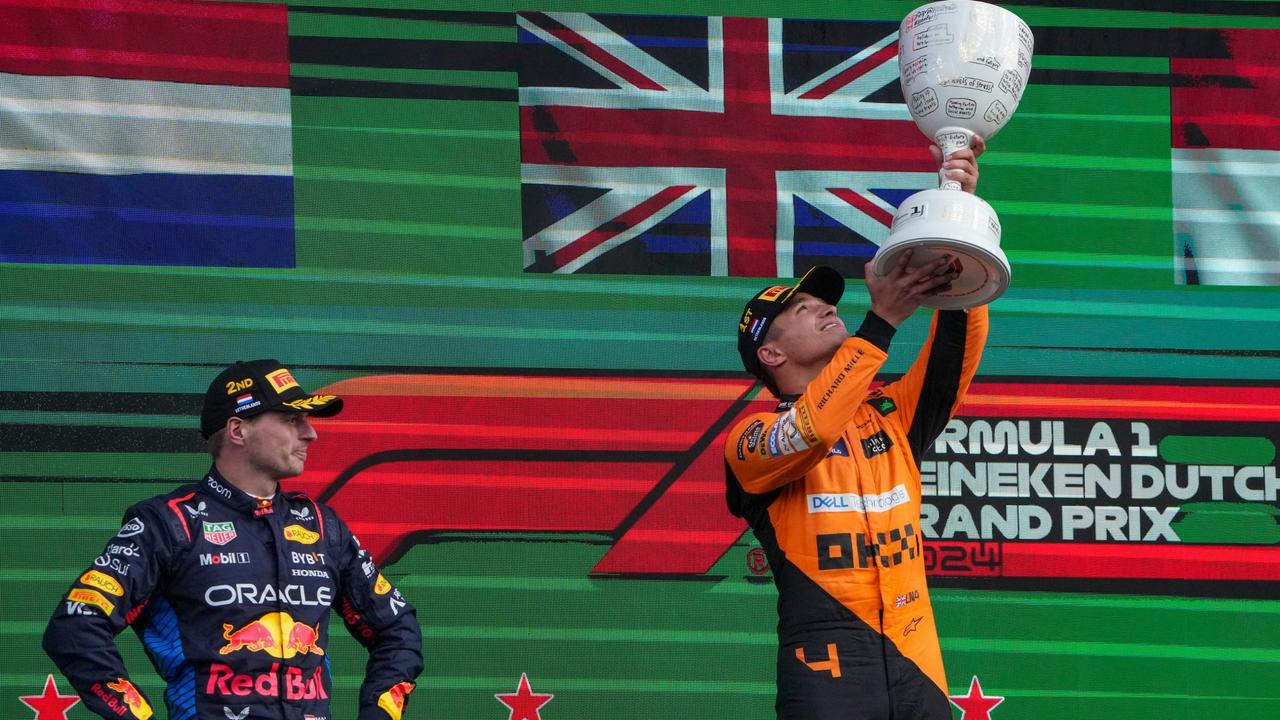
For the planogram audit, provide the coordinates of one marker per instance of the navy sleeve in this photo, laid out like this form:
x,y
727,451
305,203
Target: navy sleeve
x,y
103,601
382,620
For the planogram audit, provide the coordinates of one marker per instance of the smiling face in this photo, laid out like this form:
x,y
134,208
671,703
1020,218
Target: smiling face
x,y
806,333
276,443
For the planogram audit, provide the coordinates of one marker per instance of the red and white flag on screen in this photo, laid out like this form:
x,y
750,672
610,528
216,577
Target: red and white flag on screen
x,y
1225,109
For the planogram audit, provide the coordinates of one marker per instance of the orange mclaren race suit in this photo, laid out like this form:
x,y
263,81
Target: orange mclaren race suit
x,y
231,597
830,484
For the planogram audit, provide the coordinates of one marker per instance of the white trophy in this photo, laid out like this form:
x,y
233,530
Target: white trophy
x,y
963,66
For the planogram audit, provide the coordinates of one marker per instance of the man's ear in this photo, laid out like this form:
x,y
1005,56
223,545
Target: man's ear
x,y
236,428
770,355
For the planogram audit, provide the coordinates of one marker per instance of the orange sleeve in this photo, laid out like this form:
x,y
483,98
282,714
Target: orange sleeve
x,y
767,450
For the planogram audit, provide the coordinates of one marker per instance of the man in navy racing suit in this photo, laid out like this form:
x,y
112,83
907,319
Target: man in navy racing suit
x,y
229,582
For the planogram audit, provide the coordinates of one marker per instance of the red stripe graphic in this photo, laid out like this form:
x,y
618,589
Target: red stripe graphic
x,y
386,505
1231,102
373,424
1155,562
1102,561
396,501
1154,402
173,505
668,538
634,459
194,42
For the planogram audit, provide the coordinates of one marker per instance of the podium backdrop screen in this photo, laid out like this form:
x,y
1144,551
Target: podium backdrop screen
x,y
517,241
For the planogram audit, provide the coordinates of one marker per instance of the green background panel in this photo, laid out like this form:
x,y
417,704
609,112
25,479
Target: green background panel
x,y
408,246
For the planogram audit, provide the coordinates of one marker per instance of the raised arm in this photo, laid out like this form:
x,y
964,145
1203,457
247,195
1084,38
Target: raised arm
x,y
928,396
768,450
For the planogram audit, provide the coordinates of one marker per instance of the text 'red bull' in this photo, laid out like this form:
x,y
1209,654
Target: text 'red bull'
x,y
229,683
128,700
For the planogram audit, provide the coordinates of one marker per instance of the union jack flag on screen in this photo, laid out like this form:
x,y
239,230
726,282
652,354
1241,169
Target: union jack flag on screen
x,y
711,145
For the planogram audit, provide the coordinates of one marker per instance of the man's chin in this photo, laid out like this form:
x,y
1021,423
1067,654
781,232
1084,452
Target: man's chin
x,y
293,470
834,345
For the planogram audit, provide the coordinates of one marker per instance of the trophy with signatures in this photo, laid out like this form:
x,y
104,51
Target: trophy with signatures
x,y
963,65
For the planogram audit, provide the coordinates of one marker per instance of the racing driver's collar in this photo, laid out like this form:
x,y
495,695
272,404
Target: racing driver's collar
x,y
218,486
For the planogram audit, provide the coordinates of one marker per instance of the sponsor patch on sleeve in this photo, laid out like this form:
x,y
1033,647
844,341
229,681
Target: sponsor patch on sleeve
x,y
804,421
91,597
750,439
137,704
103,582
883,404
135,526
785,437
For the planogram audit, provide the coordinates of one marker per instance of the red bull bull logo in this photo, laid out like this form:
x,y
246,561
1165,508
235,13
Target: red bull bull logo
x,y
276,634
131,698
392,701
304,639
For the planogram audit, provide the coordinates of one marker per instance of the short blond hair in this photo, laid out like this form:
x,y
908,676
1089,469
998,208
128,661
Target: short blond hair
x,y
216,441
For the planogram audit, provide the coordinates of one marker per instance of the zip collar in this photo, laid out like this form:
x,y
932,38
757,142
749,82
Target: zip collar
x,y
235,498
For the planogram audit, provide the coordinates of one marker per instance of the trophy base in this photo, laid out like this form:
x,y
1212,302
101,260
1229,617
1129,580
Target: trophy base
x,y
934,223
984,272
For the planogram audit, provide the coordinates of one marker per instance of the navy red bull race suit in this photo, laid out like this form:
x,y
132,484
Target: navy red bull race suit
x,y
830,484
230,596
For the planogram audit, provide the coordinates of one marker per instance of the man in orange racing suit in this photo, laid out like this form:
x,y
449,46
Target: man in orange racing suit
x,y
830,483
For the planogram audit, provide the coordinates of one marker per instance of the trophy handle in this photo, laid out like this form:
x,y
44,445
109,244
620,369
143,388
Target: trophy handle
x,y
951,139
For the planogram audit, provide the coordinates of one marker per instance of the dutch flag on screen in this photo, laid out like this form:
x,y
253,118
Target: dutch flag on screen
x,y
244,399
145,132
